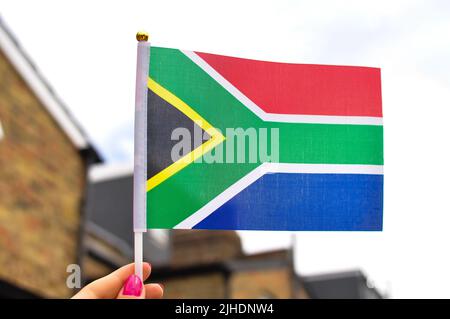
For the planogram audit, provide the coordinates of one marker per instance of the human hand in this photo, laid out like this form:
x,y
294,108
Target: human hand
x,y
122,284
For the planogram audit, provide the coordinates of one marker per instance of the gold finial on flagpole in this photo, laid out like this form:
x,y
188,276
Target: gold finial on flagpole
x,y
142,36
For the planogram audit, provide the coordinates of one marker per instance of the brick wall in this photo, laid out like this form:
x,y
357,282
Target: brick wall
x,y
207,285
41,185
266,283
196,247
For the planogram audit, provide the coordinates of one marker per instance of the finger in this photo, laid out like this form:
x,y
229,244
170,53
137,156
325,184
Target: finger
x,y
109,286
132,289
154,291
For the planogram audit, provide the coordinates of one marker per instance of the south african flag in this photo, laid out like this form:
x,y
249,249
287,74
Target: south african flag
x,y
250,145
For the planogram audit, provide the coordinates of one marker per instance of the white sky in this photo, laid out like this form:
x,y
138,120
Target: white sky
x,y
86,49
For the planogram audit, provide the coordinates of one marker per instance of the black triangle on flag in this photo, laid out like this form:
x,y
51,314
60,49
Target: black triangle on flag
x,y
162,119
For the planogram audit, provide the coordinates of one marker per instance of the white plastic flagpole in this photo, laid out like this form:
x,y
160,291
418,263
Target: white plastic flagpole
x,y
140,149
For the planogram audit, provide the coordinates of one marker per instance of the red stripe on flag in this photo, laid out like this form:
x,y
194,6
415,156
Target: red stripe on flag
x,y
309,89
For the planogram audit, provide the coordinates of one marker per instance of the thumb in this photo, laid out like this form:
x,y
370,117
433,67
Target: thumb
x,y
132,289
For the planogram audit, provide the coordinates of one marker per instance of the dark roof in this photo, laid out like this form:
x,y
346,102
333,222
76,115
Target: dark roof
x,y
10,291
341,285
225,267
109,217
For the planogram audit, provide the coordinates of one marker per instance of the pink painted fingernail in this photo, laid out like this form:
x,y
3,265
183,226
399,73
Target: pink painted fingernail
x,y
133,286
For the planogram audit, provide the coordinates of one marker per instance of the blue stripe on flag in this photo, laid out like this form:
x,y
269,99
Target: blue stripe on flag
x,y
315,202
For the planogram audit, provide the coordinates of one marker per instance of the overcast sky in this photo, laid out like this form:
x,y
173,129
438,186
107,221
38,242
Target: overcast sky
x,y
86,49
